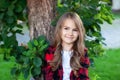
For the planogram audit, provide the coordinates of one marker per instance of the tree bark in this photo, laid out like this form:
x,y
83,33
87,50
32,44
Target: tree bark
x,y
40,15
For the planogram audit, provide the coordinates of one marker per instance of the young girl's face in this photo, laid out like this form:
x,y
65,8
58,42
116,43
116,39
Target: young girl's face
x,y
69,32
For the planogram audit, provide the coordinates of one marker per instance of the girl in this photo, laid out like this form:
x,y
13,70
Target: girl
x,y
67,59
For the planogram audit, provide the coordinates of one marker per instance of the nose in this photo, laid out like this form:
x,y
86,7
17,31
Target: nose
x,y
70,32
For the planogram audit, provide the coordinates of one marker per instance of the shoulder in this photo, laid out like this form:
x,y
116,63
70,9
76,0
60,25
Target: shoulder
x,y
85,55
85,59
85,52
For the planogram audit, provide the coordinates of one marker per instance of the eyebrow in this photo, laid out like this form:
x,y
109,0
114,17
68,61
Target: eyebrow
x,y
69,27
65,26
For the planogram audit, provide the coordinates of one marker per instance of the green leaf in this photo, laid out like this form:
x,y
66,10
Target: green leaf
x,y
18,8
13,70
37,61
34,49
42,48
26,60
3,4
1,16
35,42
42,42
30,45
107,1
14,1
11,7
10,12
10,20
19,31
20,26
27,53
26,73
23,3
59,3
46,45
42,37
8,41
36,71
109,20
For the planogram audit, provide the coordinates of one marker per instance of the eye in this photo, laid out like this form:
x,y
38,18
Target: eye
x,y
75,30
66,28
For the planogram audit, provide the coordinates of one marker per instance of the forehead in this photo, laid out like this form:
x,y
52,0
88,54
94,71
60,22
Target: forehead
x,y
69,23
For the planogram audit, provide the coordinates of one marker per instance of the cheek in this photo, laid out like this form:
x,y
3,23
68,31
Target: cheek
x,y
76,37
62,32
76,34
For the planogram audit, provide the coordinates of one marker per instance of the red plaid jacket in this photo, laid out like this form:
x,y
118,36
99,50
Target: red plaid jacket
x,y
58,74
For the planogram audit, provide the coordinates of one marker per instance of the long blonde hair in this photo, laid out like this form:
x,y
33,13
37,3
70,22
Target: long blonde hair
x,y
78,47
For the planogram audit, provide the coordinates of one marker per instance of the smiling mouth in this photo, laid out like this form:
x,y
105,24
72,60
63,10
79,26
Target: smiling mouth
x,y
69,37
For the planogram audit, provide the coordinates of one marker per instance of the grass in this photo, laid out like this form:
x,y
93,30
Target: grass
x,y
106,67
5,69
116,15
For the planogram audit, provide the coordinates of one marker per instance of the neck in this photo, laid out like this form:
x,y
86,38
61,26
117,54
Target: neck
x,y
67,47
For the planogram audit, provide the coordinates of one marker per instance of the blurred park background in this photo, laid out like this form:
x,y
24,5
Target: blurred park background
x,y
103,67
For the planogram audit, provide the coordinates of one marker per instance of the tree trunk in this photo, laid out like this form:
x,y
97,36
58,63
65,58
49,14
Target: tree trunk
x,y
40,15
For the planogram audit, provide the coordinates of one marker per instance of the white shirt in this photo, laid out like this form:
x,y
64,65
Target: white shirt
x,y
66,55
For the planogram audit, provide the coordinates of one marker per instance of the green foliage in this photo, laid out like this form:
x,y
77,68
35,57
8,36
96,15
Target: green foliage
x,y
10,13
93,13
29,58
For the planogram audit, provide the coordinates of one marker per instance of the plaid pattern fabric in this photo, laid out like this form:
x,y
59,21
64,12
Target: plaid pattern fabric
x,y
58,74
